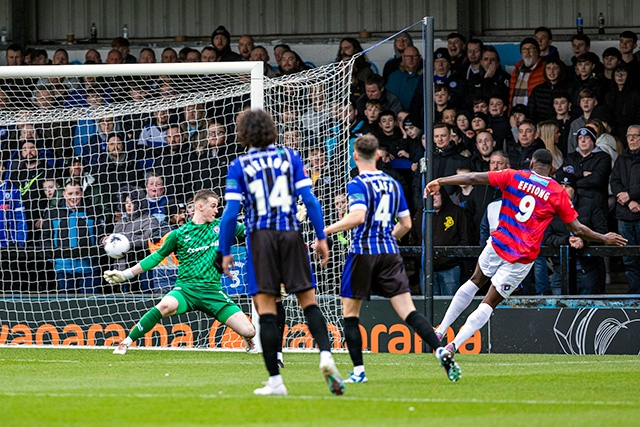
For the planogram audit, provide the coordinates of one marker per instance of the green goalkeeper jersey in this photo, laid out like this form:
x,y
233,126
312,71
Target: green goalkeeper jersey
x,y
195,246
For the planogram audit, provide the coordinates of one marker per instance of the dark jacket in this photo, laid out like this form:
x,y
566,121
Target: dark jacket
x,y
520,157
595,186
541,100
625,177
446,161
476,205
449,229
624,106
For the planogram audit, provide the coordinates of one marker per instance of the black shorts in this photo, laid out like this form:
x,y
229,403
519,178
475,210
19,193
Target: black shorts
x,y
381,274
276,257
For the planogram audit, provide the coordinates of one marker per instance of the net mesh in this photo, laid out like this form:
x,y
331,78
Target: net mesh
x,y
85,157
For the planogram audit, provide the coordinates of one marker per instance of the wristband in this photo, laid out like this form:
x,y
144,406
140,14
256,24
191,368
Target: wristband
x,y
128,274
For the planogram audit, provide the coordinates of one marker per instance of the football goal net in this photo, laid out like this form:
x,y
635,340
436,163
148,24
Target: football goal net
x,y
92,150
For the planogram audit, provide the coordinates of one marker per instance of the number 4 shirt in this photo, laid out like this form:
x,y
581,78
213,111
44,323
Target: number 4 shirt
x,y
529,203
382,198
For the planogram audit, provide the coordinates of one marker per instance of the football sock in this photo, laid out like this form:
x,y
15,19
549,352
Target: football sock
x,y
475,321
358,369
269,336
318,327
281,319
460,301
354,339
423,327
145,324
275,381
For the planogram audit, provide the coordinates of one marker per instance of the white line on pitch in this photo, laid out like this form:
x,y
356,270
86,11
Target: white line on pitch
x,y
352,398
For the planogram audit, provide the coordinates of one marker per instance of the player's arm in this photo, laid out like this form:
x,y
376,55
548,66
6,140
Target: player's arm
x,y
149,262
228,227
314,211
471,178
402,227
353,219
581,230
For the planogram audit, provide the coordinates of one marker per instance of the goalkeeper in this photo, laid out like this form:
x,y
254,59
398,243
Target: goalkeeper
x,y
198,285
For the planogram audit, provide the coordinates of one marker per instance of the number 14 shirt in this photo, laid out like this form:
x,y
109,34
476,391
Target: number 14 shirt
x,y
529,203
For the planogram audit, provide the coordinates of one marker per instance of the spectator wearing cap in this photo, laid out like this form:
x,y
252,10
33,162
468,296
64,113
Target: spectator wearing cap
x,y
528,73
591,166
413,139
586,78
623,101
587,269
403,81
611,57
625,182
221,41
442,74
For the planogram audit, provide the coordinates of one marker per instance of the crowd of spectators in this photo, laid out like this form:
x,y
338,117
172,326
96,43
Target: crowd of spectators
x,y
69,184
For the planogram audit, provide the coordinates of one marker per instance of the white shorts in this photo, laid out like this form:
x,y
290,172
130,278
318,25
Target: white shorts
x,y
505,276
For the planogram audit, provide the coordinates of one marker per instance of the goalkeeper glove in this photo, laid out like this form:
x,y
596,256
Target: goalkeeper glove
x,y
301,213
116,276
217,263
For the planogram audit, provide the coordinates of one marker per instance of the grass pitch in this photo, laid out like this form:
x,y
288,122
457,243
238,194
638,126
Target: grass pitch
x,y
83,387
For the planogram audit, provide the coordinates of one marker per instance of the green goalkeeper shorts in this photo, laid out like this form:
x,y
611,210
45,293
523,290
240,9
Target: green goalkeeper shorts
x,y
215,303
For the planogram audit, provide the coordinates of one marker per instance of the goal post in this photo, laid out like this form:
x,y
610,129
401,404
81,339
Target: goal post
x,y
89,150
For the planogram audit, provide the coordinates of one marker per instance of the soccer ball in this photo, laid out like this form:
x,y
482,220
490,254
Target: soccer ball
x,y
117,245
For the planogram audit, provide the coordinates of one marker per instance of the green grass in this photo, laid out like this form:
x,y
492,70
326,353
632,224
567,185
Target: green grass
x,y
81,387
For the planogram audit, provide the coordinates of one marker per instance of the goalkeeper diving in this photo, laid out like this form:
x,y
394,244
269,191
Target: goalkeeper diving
x,y
198,286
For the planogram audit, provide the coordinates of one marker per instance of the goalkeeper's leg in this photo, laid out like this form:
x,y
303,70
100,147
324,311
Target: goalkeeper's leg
x,y
166,307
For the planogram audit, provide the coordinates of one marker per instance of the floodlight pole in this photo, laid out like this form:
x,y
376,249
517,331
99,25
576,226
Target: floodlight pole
x,y
426,166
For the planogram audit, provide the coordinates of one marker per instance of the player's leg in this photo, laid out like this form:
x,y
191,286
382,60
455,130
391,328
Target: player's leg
x,y
281,318
504,282
351,313
167,306
233,317
318,327
264,286
477,319
464,295
406,309
269,338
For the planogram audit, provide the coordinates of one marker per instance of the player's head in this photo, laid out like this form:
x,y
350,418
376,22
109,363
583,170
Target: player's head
x,y
366,147
256,129
542,161
206,205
